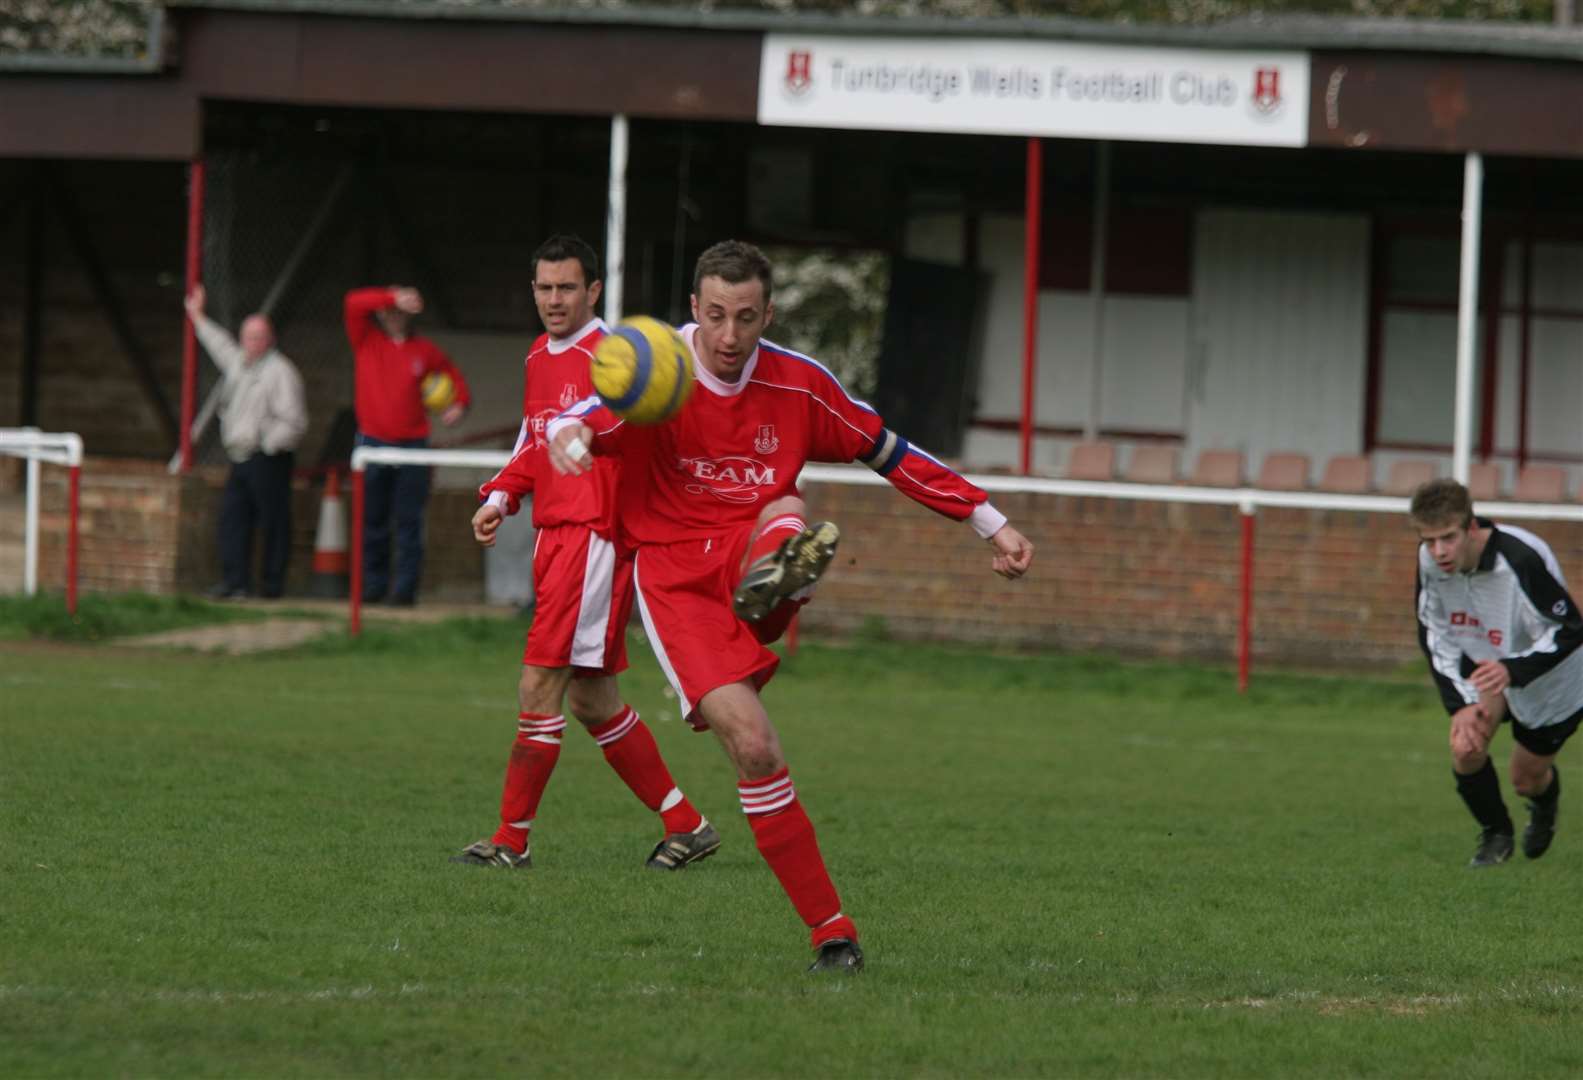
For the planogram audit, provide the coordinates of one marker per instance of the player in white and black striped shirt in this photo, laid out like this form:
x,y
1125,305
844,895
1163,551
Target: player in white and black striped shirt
x,y
1502,636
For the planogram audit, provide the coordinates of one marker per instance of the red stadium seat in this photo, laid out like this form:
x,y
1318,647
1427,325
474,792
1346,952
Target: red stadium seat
x,y
1541,483
1284,472
1347,474
1218,468
1092,461
1152,465
1405,476
1484,480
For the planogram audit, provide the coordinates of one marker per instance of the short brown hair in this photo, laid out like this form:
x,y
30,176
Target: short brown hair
x,y
735,263
1441,502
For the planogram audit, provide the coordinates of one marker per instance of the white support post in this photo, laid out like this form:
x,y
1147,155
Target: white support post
x,y
1467,311
616,218
30,529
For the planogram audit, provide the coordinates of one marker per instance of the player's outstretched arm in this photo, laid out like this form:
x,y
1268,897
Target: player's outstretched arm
x,y
1013,553
568,449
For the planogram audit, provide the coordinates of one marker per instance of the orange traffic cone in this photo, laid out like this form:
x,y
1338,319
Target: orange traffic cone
x,y
329,543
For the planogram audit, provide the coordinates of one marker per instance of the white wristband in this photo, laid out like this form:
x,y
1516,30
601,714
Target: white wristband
x,y
577,449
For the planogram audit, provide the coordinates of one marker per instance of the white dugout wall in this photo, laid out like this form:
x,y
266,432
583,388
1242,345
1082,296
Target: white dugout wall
x,y
1269,352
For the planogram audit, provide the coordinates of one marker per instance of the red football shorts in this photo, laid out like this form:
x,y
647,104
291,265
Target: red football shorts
x,y
684,595
582,599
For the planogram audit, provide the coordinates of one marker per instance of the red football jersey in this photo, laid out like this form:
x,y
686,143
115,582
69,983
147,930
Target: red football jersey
x,y
556,377
735,447
388,397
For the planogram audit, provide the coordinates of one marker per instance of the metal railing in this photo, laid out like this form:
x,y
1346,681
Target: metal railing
x,y
62,448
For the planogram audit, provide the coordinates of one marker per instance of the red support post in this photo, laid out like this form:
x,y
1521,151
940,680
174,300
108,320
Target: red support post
x,y
1032,199
355,624
189,343
1245,623
73,490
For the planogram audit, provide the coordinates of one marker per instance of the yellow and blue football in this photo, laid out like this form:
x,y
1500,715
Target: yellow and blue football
x,y
643,370
438,390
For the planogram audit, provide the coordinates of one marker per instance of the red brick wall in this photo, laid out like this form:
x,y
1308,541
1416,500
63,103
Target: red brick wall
x,y
1330,588
143,529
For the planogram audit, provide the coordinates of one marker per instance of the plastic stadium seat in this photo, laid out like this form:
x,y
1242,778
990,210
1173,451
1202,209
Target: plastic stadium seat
x,y
1218,468
1152,465
1541,483
1484,480
1405,476
1347,474
1284,472
1092,461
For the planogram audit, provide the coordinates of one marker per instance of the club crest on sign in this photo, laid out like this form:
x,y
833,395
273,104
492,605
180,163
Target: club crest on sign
x,y
798,79
1266,99
766,443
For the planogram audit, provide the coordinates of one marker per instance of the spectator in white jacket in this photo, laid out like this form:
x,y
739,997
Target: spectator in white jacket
x,y
263,415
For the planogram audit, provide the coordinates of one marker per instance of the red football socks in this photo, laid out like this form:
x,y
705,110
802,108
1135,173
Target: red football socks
x,y
533,758
776,532
785,838
630,748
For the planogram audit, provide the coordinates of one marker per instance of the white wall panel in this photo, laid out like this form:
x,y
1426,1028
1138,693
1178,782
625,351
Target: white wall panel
x,y
1279,325
1144,363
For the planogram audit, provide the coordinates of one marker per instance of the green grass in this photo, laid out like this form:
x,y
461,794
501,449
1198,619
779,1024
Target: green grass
x,y
102,616
1061,867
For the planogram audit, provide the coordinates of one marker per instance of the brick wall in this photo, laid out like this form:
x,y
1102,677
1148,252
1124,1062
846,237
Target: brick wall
x,y
1330,588
143,529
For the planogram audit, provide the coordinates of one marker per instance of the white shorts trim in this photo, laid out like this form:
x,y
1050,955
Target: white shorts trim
x,y
593,616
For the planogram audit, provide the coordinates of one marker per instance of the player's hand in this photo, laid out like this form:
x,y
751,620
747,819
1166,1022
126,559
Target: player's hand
x,y
569,450
453,416
486,522
406,299
195,301
1490,677
1014,553
1472,727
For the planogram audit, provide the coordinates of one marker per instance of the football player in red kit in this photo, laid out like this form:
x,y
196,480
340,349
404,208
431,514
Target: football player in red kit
x,y
583,589
724,555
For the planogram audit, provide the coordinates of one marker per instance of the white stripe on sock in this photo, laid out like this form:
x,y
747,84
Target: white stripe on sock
x,y
671,800
629,722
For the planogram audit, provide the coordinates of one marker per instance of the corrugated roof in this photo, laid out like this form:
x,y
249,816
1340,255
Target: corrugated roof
x,y
118,36
964,17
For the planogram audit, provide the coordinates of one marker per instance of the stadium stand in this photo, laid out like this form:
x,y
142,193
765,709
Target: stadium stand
x,y
1484,480
1152,465
1284,472
1218,468
1405,476
1348,474
1092,461
1541,483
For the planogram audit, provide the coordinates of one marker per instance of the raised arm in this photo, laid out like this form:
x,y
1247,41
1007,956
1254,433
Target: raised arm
x,y
845,429
358,310
216,341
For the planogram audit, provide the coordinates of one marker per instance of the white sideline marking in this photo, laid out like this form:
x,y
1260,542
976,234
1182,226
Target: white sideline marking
x,y
216,997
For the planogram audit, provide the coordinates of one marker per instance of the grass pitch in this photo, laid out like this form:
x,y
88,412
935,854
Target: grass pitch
x,y
1061,867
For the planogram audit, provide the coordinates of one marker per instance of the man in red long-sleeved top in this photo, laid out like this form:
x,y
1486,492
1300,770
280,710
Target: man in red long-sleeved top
x,y
723,553
583,589
392,363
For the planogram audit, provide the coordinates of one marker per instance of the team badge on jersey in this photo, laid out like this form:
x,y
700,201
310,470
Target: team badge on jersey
x,y
766,443
569,396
